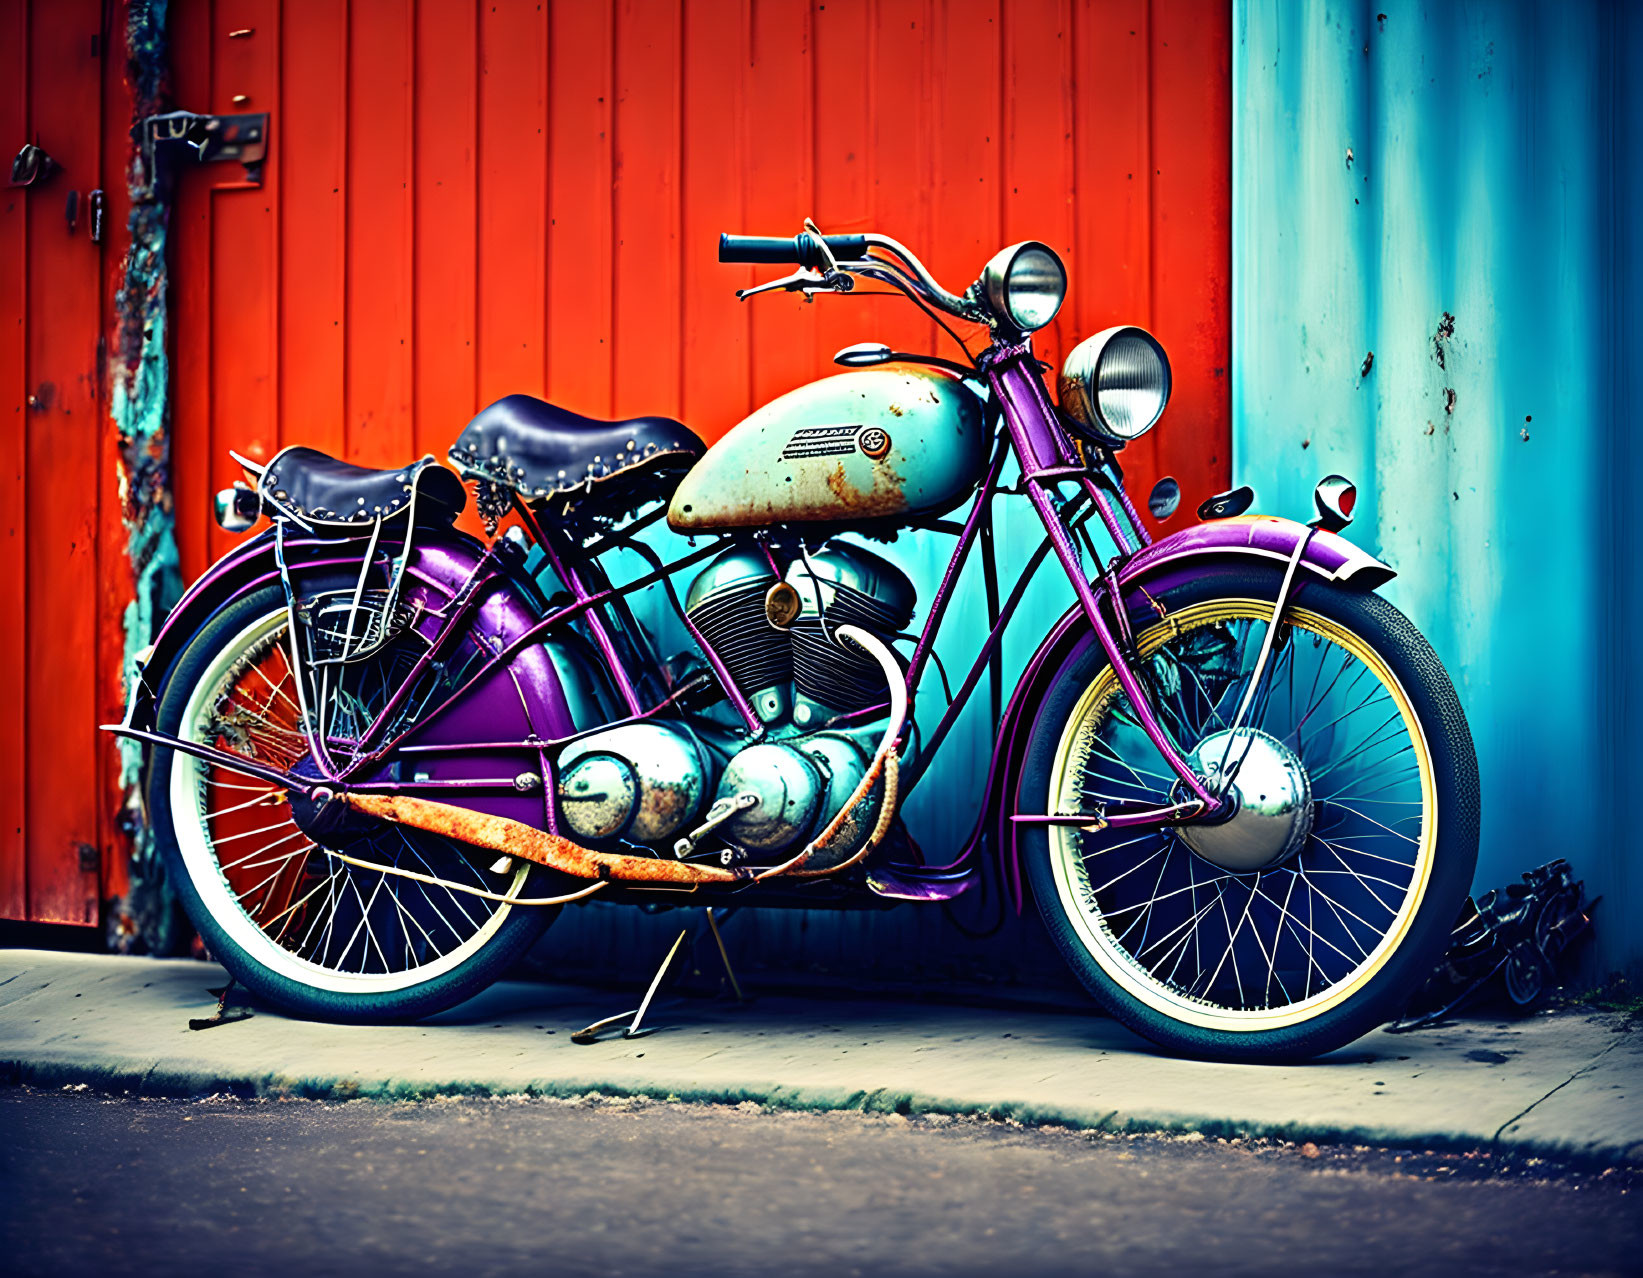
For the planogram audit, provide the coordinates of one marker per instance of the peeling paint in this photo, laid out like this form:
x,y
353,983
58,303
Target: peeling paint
x,y
141,412
1446,330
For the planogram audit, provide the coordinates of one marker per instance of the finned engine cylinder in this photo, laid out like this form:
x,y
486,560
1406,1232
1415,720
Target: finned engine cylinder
x,y
726,603
840,585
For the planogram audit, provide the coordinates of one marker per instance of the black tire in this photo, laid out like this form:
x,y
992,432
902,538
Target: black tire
x,y
1454,765
512,938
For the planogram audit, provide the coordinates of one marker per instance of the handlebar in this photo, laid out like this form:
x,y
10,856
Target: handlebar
x,y
804,248
849,256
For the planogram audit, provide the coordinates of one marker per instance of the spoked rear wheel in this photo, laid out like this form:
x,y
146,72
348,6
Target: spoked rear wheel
x,y
1309,916
273,898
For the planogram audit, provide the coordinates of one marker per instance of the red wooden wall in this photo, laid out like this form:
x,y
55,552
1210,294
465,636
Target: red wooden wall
x,y
465,200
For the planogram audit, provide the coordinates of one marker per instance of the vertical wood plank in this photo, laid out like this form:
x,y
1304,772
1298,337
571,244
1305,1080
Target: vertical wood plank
x,y
189,292
380,356
845,54
780,187
114,578
14,341
64,308
446,101
513,197
1191,236
1112,278
902,171
966,99
1038,156
244,250
581,269
714,333
647,213
309,143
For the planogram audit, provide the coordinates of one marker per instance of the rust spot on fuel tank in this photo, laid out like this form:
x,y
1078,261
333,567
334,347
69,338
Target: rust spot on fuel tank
x,y
1368,363
897,410
1448,399
849,497
885,497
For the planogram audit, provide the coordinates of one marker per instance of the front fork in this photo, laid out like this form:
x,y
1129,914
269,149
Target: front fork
x,y
1047,457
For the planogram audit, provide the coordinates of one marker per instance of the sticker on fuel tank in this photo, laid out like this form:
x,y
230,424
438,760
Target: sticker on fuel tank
x,y
837,441
821,441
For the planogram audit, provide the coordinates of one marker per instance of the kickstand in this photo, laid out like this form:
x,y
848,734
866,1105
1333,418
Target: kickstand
x,y
629,1022
730,972
221,1016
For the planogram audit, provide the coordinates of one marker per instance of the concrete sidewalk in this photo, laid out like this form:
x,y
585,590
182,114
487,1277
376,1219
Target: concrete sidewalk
x,y
1567,1084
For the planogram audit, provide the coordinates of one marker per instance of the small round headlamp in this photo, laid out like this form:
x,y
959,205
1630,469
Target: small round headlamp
x,y
1116,384
1025,285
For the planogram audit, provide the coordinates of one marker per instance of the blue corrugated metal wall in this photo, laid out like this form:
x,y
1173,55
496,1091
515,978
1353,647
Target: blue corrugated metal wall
x,y
1397,163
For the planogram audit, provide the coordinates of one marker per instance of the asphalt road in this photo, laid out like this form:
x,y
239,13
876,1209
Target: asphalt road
x,y
114,1185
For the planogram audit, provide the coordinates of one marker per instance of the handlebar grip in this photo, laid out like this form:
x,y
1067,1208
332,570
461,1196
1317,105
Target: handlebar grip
x,y
802,249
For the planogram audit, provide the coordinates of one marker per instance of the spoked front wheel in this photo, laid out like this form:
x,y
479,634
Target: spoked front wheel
x,y
1306,917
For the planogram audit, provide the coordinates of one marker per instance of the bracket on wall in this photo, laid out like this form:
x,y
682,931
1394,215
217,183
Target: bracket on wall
x,y
175,135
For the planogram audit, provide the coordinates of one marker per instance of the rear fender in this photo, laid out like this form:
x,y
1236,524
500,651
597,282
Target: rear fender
x,y
531,695
1183,554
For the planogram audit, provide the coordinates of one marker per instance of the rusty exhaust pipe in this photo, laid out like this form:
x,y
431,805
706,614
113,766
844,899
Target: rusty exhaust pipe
x,y
515,838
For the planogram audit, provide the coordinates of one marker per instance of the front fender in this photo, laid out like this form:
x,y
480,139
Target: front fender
x,y
1264,537
1329,555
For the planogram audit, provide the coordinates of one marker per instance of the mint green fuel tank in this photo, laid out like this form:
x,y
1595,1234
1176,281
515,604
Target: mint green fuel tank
x,y
877,443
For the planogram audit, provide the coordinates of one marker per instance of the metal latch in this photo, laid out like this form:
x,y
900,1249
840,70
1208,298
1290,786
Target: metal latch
x,y
204,138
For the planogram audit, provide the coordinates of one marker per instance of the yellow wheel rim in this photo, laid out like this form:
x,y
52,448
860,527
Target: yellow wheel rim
x,y
1360,875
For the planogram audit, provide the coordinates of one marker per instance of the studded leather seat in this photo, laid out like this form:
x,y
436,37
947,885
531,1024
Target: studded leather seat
x,y
318,491
540,451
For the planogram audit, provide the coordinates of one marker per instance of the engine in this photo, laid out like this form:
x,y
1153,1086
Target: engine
x,y
651,783
800,670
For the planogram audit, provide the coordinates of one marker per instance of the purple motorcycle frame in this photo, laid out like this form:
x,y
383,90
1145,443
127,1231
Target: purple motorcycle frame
x,y
462,579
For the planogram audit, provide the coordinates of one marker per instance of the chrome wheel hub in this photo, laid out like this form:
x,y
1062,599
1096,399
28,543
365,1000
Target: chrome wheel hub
x,y
1270,795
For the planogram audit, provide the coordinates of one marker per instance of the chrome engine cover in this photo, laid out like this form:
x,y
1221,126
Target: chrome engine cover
x,y
800,786
789,788
643,782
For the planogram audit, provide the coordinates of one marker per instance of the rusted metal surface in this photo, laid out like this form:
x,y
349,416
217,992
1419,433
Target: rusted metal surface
x,y
514,838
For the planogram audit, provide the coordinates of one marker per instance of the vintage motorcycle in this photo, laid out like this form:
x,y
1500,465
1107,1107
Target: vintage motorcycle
x,y
382,753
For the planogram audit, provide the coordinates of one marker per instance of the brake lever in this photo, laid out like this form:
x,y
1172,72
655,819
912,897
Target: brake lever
x,y
804,281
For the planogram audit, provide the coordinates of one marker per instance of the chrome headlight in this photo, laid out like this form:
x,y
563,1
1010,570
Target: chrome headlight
x,y
1025,285
1116,383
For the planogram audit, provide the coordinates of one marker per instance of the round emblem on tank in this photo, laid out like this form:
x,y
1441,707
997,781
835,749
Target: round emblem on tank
x,y
874,442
